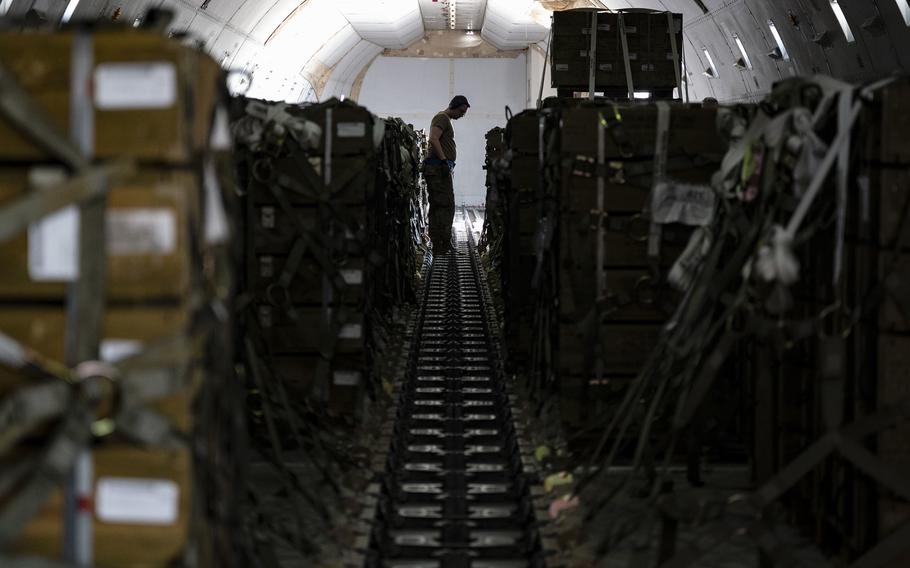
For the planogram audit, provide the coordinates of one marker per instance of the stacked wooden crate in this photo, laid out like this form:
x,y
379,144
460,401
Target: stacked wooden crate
x,y
852,363
519,178
612,296
886,169
119,95
399,224
797,307
491,238
648,43
333,222
308,181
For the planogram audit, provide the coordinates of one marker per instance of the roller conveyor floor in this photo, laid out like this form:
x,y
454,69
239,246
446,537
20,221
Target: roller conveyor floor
x,y
454,494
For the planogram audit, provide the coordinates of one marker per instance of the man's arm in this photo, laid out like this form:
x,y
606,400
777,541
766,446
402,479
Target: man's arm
x,y
435,134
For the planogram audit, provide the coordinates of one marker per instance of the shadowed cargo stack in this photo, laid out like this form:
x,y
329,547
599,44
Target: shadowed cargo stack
x,y
787,347
332,226
121,262
627,186
630,51
308,173
601,201
519,178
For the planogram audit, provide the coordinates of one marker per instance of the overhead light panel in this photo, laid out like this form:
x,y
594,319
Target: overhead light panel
x,y
904,7
742,50
68,12
642,95
711,71
4,6
781,51
842,20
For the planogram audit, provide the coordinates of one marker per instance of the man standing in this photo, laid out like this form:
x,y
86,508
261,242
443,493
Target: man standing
x,y
437,170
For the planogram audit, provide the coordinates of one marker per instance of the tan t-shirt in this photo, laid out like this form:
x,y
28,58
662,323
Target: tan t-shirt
x,y
447,140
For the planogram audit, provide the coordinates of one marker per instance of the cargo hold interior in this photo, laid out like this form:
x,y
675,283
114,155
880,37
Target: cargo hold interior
x,y
669,326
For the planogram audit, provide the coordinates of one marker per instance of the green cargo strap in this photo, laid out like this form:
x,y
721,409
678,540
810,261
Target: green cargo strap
x,y
661,145
307,236
277,292
27,407
28,118
70,438
136,383
143,378
304,242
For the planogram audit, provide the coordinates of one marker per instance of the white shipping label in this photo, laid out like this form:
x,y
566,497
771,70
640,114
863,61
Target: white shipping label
x,y
124,86
346,378
352,277
685,203
350,331
114,350
53,247
137,501
352,129
53,242
141,231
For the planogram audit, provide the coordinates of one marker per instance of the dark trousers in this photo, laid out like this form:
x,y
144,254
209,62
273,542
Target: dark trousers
x,y
442,206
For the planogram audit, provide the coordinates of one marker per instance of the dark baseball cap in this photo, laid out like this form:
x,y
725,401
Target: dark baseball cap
x,y
458,101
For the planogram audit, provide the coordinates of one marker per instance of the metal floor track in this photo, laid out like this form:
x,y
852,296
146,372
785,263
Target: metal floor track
x,y
454,494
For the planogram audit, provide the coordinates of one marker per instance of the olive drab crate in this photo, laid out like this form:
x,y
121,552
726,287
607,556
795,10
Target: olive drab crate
x,y
596,170
325,270
518,182
793,293
491,235
308,173
112,145
333,222
632,50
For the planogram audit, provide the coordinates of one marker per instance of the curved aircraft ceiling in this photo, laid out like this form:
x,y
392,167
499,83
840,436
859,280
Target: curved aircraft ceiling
x,y
308,49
